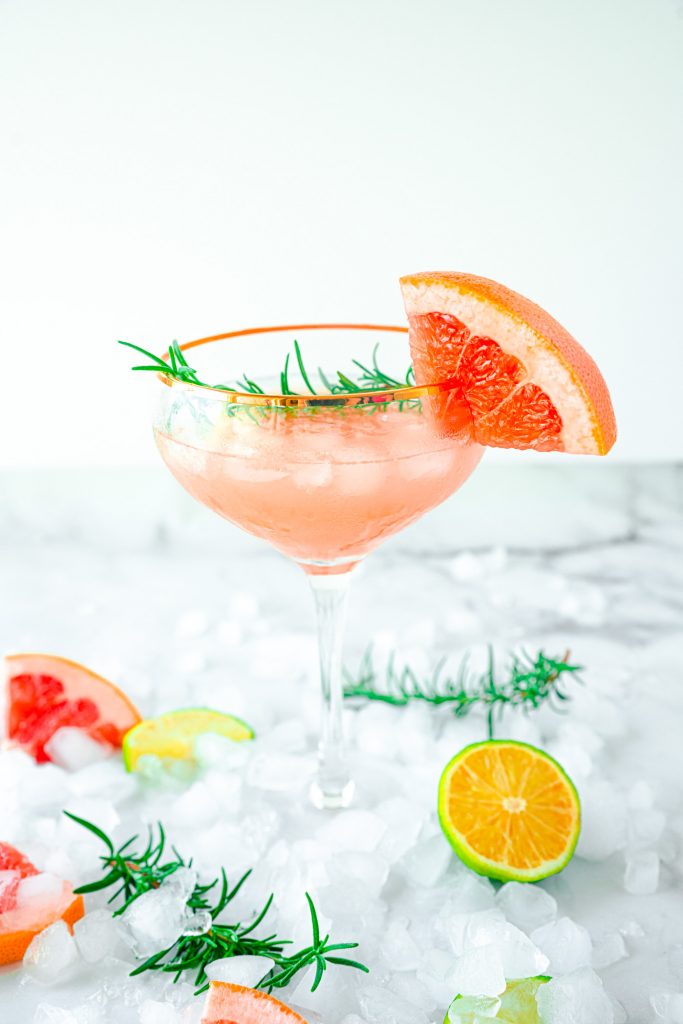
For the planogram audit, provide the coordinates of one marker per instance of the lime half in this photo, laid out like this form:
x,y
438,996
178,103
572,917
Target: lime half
x,y
517,1004
173,734
509,810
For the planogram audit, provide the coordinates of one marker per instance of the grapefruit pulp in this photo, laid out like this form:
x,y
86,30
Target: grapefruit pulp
x,y
20,921
46,692
527,381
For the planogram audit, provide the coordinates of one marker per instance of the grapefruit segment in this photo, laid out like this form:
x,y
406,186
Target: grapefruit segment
x,y
526,419
13,867
527,381
234,1004
12,860
46,692
488,375
19,921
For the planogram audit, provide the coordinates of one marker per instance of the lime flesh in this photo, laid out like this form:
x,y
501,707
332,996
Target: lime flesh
x,y
517,1004
529,799
172,735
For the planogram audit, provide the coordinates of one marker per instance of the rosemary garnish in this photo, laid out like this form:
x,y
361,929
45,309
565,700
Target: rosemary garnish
x,y
370,378
136,872
530,683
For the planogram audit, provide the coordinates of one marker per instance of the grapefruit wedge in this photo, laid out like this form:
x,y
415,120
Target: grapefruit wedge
x,y
24,913
45,693
234,1004
527,381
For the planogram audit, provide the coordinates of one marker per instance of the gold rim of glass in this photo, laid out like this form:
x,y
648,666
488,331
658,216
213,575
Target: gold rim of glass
x,y
294,401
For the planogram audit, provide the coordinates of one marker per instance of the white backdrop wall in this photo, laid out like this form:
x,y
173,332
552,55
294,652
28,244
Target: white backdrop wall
x,y
181,167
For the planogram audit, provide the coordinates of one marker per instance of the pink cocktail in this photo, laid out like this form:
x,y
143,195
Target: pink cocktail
x,y
321,488
323,477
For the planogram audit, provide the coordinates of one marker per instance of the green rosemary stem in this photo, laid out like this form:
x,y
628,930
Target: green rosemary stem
x,y
371,378
530,683
134,872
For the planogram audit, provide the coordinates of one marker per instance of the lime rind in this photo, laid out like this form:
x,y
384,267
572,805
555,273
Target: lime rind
x,y
516,1005
493,869
171,736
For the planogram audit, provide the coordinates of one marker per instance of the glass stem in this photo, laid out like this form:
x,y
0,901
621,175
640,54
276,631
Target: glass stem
x,y
333,786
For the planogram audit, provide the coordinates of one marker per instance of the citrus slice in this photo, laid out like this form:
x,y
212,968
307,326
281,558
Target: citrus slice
x,y
21,919
46,692
234,1004
527,381
509,811
173,734
517,1004
13,867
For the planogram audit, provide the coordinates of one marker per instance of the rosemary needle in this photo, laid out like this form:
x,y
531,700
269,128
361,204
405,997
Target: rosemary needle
x,y
371,378
530,682
136,871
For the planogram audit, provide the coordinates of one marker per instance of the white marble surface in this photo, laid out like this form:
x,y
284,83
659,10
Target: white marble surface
x,y
104,567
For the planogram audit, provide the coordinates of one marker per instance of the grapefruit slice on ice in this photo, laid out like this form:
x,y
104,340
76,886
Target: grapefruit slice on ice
x,y
234,1004
26,909
527,381
45,693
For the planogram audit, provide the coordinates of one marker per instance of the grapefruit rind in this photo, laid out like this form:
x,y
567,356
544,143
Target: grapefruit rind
x,y
552,358
14,944
172,734
234,1004
494,868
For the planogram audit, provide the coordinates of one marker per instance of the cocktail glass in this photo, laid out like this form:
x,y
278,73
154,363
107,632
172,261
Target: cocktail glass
x,y
322,477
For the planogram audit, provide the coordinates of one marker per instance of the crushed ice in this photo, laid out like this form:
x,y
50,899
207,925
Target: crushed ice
x,y
380,872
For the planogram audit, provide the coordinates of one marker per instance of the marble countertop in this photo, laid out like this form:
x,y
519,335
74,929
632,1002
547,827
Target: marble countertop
x,y
123,572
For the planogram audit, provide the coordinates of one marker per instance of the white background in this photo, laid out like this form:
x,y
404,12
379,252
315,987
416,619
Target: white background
x,y
172,169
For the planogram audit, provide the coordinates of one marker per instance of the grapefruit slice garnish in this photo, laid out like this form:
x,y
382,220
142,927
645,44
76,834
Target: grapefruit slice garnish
x,y
21,921
509,811
46,692
234,1004
527,381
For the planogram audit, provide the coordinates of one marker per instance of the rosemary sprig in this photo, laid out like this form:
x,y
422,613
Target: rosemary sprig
x,y
370,378
177,366
530,683
135,872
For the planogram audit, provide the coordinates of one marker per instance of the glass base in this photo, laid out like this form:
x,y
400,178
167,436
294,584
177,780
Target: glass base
x,y
331,797
337,567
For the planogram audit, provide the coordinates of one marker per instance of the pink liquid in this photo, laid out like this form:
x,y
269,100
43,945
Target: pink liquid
x,y
325,488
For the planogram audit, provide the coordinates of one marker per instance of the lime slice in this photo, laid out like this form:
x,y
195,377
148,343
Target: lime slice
x,y
509,811
517,1004
173,734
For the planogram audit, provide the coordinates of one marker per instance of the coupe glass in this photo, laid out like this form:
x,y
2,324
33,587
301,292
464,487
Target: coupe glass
x,y
322,477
